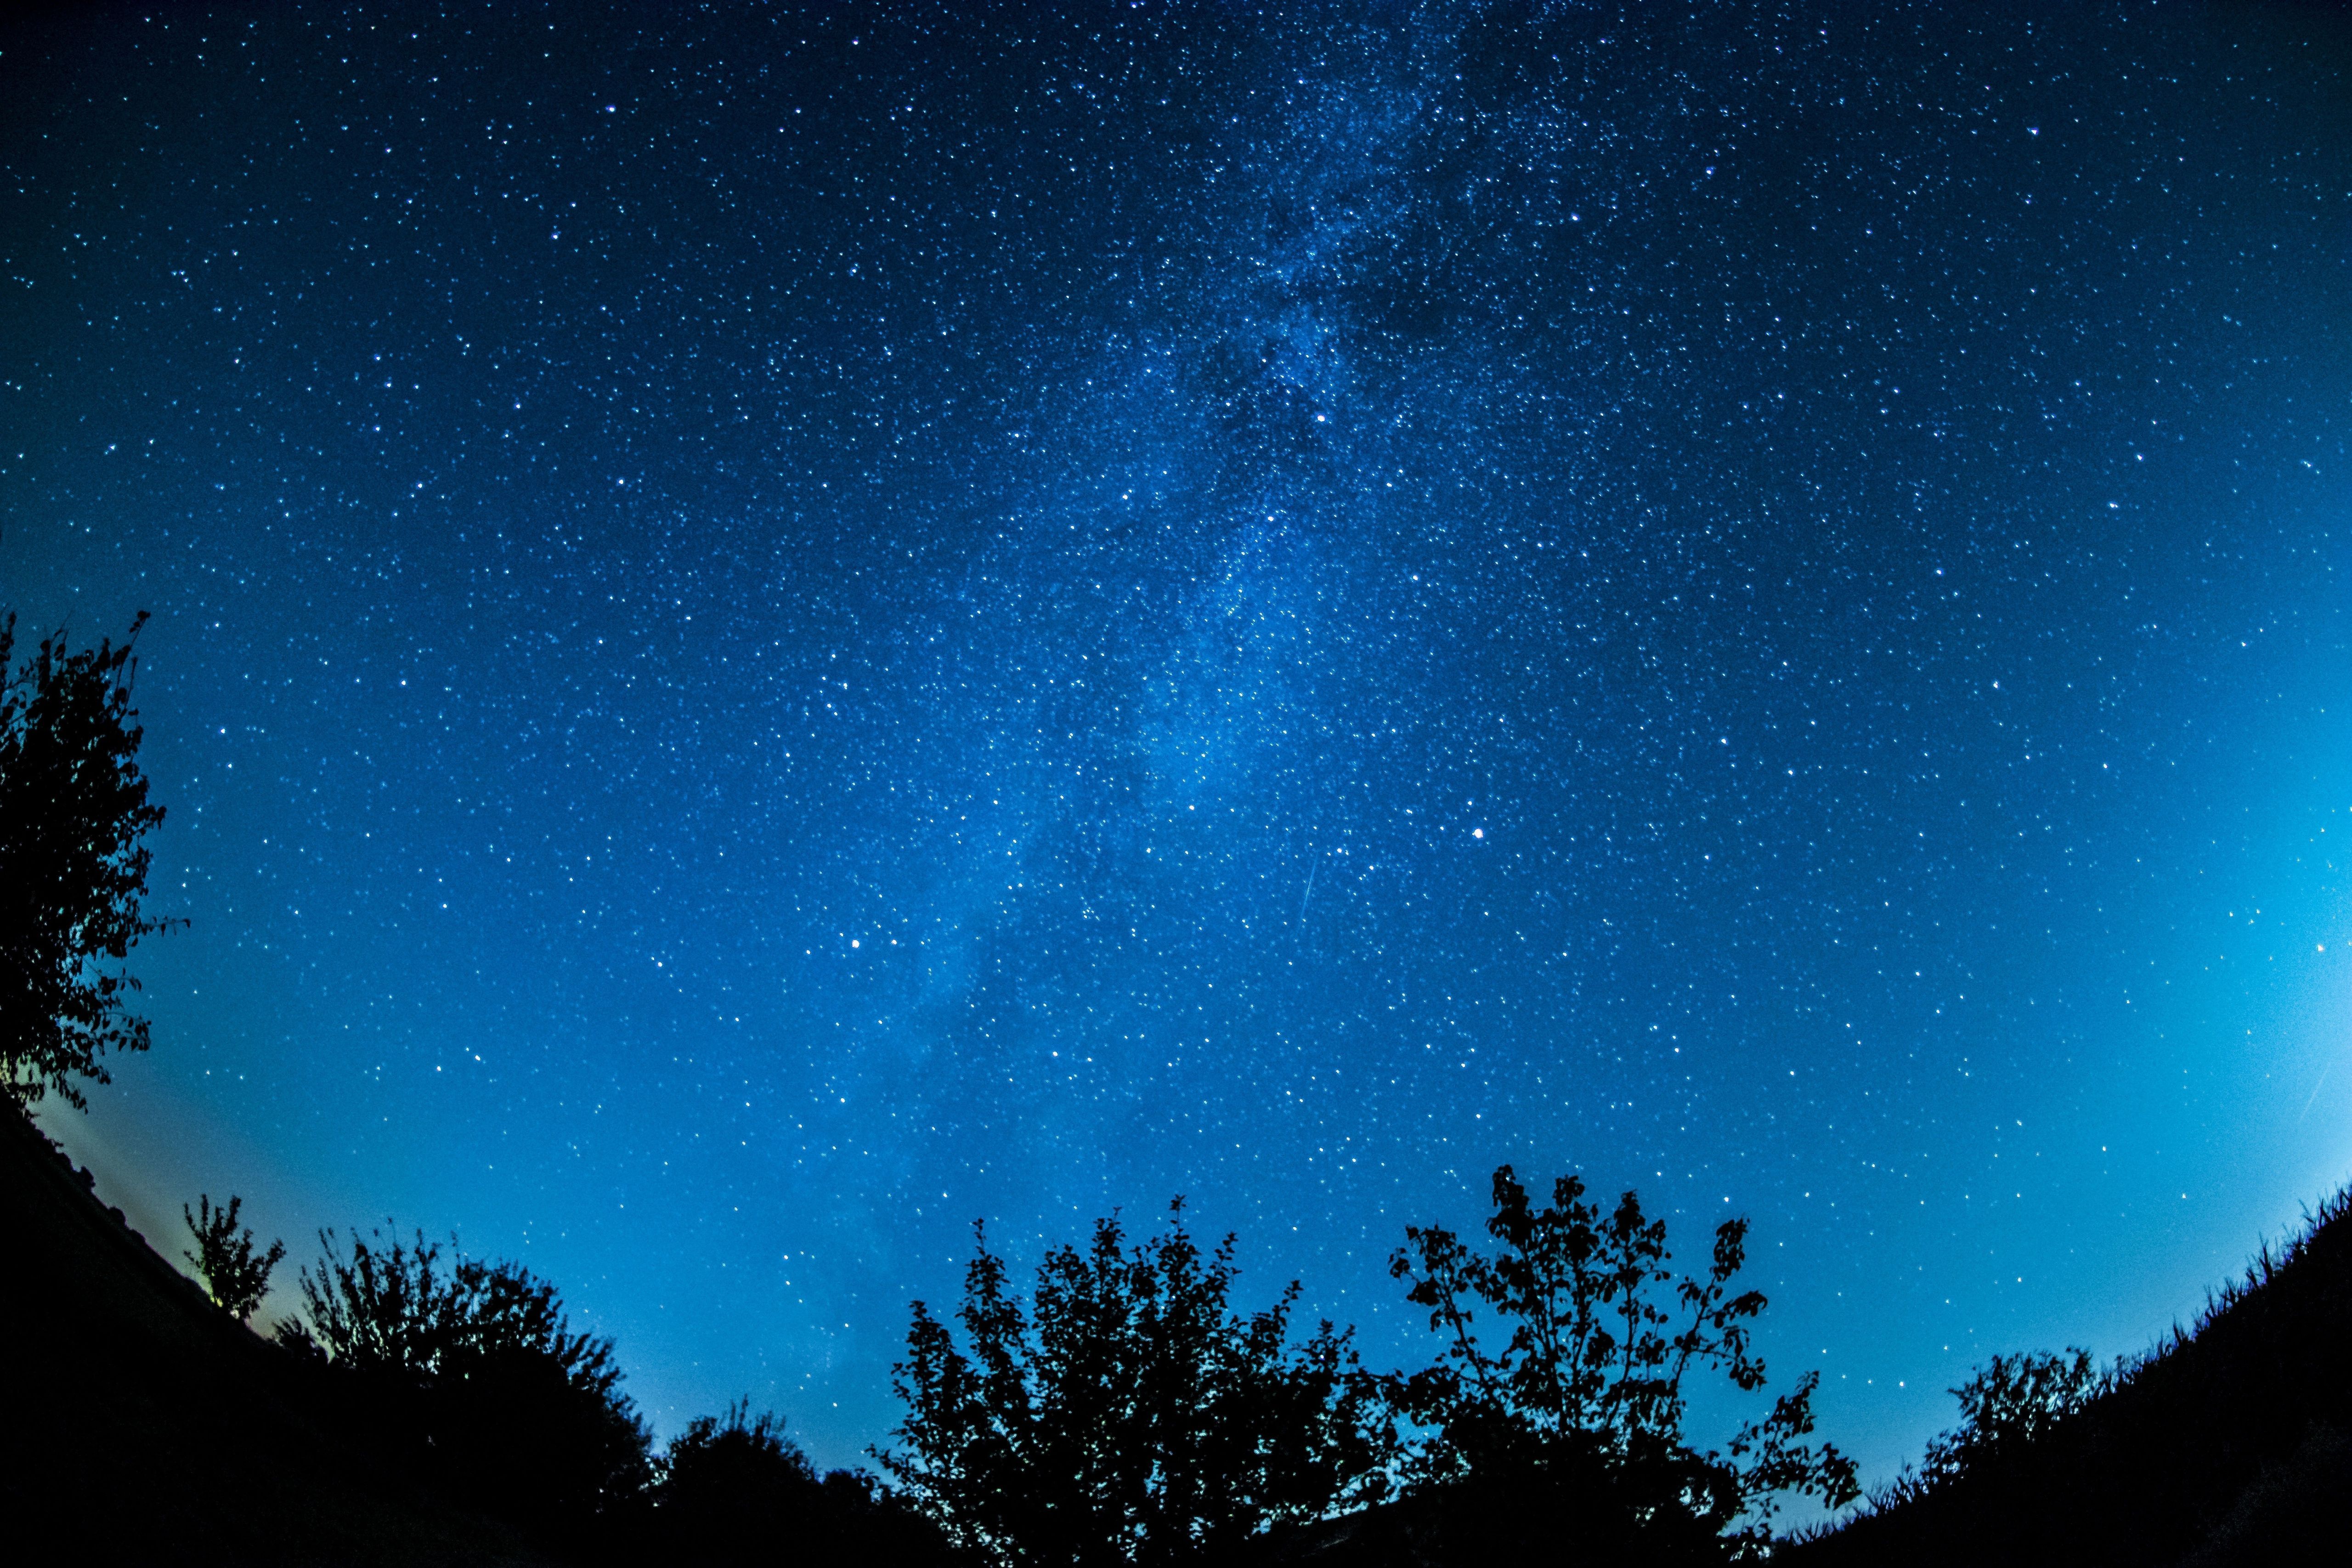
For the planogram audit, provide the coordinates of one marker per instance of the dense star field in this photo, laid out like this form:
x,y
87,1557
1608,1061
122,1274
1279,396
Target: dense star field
x,y
776,631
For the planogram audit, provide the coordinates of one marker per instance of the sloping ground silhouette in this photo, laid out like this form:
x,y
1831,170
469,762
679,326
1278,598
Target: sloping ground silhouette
x,y
143,1424
2227,1447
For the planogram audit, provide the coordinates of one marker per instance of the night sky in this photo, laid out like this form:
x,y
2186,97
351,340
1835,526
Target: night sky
x,y
777,631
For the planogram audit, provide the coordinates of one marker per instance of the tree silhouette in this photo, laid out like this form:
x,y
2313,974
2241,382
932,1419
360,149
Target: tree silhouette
x,y
1128,1415
1589,1391
477,1363
236,1277
73,809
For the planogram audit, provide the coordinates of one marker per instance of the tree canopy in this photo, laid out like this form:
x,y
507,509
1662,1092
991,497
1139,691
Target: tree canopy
x,y
1590,1380
73,812
1129,1414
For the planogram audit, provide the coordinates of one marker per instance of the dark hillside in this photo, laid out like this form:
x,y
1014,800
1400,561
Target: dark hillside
x,y
143,1424
2230,1445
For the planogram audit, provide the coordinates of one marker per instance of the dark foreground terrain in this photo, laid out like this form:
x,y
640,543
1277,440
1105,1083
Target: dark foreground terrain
x,y
2231,1446
143,1425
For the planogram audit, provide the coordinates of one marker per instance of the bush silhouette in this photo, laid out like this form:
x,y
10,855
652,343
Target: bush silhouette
x,y
474,1366
734,1490
236,1277
1127,1415
1574,1425
2013,1402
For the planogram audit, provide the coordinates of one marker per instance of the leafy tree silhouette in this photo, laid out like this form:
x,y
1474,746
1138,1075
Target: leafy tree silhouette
x,y
1128,1415
477,1366
237,1276
1581,1413
73,809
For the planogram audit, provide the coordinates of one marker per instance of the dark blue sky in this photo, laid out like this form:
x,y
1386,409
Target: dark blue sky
x,y
777,631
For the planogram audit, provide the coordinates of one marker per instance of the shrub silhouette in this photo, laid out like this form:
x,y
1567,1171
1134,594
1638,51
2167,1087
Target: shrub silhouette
x,y
734,1490
474,1366
2011,1403
236,1277
1127,1415
1574,1425
2007,1405
73,809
